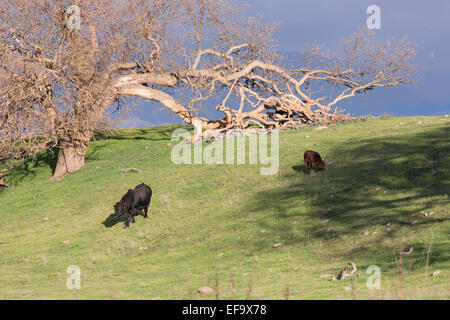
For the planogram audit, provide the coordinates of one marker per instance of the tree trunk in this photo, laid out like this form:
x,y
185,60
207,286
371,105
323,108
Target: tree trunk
x,y
70,159
73,142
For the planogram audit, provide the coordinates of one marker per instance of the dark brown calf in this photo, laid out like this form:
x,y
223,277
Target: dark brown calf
x,y
313,158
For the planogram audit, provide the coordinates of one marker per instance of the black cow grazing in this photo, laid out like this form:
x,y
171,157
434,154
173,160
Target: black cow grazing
x,y
313,158
133,201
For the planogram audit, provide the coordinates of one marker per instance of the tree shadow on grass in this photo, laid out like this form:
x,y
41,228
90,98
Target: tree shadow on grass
x,y
93,151
151,133
366,186
27,169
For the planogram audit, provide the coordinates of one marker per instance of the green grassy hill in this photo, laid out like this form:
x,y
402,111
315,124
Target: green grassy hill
x,y
216,225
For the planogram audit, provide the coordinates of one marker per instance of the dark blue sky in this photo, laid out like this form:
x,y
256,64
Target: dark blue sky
x,y
427,23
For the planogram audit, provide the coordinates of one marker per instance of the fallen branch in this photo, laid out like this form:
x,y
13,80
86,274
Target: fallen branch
x,y
125,171
407,251
341,275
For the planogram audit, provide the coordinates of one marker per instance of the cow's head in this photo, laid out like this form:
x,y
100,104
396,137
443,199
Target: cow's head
x,y
119,209
321,164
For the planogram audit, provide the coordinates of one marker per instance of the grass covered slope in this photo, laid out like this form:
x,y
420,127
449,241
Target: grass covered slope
x,y
216,225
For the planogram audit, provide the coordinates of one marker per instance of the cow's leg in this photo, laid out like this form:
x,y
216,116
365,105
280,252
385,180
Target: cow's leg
x,y
306,165
134,214
127,222
130,218
145,211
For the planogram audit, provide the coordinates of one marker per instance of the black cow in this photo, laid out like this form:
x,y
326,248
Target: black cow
x,y
133,201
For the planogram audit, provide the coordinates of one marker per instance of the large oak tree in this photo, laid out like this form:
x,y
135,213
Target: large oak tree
x,y
58,83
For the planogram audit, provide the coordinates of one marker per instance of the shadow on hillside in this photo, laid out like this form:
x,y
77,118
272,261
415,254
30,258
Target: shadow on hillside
x,y
27,169
299,168
151,134
366,184
93,150
302,168
111,221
